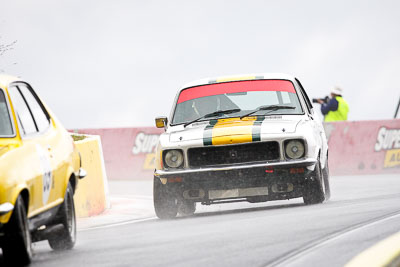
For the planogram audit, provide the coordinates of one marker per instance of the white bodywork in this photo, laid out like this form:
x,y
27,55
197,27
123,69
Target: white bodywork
x,y
278,128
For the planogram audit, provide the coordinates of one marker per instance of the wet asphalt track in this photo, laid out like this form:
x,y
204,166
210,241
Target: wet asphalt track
x,y
362,211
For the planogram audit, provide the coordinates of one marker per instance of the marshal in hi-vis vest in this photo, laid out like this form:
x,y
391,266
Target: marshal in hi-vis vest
x,y
341,113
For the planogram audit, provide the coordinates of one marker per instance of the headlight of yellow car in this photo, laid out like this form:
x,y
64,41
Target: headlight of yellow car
x,y
294,149
173,158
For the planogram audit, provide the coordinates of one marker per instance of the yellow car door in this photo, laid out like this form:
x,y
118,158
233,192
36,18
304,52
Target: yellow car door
x,y
39,136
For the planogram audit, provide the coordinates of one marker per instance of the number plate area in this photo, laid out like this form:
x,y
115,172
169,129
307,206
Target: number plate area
x,y
238,192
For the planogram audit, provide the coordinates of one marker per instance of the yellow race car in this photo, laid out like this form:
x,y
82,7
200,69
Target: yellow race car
x,y
39,172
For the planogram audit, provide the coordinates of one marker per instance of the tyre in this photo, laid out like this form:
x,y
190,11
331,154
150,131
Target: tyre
x,y
66,238
17,248
165,203
325,174
314,189
187,208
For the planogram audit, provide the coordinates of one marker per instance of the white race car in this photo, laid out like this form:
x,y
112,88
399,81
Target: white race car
x,y
248,138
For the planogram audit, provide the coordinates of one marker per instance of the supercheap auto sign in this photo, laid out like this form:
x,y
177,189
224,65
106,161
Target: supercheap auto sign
x,y
128,152
388,140
146,144
364,147
358,147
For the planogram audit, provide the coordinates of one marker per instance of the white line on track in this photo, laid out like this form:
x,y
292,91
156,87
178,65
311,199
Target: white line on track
x,y
117,224
131,197
298,253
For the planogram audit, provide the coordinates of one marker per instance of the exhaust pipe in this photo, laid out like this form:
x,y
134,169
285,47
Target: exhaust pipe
x,y
194,194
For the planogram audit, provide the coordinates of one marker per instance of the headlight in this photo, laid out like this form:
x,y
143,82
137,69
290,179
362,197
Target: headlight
x,y
294,149
173,158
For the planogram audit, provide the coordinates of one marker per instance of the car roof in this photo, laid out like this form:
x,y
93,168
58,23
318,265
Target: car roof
x,y
240,77
6,79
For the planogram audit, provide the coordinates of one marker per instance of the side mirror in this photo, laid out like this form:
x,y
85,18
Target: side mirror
x,y
161,122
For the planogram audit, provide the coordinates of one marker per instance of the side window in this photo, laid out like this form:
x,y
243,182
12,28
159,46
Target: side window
x,y
22,112
41,118
306,99
6,128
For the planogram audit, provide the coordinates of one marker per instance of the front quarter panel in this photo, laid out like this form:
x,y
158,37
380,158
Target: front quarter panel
x,y
313,137
19,168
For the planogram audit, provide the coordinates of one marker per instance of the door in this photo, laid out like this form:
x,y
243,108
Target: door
x,y
38,137
318,128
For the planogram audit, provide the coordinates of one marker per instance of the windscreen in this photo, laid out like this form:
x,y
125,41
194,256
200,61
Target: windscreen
x,y
245,96
6,128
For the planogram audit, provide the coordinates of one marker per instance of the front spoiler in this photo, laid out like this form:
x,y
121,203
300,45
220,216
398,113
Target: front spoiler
x,y
289,164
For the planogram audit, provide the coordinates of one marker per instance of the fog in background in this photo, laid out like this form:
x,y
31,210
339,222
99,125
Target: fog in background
x,y
120,63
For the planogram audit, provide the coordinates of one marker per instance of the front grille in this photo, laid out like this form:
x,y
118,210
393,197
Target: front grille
x,y
233,154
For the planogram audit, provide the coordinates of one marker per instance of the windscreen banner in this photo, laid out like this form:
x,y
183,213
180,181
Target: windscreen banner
x,y
355,148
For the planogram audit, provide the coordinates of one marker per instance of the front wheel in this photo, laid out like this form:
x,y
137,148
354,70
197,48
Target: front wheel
x,y
325,175
165,203
314,189
17,248
66,238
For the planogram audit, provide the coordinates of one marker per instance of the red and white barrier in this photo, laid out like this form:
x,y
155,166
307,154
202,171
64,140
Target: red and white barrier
x,y
364,147
128,152
359,147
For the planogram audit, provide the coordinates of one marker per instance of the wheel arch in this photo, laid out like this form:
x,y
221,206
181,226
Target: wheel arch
x,y
70,178
25,197
324,158
17,192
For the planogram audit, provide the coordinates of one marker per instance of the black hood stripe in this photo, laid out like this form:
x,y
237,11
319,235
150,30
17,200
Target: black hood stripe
x,y
207,135
256,132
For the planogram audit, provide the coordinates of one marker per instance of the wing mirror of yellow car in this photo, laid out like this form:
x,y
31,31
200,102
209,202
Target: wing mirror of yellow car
x,y
161,122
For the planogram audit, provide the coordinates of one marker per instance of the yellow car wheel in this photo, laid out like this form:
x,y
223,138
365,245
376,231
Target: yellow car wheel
x,y
66,238
17,248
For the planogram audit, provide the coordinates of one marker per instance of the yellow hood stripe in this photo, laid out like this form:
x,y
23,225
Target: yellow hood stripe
x,y
232,131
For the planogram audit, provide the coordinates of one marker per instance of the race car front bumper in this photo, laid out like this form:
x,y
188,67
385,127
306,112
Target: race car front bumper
x,y
281,164
271,181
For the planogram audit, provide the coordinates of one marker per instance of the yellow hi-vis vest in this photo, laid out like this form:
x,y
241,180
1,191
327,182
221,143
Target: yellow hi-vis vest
x,y
341,113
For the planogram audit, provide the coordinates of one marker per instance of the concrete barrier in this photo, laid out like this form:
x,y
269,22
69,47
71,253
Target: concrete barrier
x,y
358,147
91,196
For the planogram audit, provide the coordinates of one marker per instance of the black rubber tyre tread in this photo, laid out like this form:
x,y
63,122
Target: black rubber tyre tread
x,y
325,174
313,191
165,203
17,248
187,208
67,237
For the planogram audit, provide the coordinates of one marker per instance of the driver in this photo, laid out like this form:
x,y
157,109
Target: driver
x,y
204,105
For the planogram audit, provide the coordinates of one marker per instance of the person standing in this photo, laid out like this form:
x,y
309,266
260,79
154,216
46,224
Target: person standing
x,y
336,109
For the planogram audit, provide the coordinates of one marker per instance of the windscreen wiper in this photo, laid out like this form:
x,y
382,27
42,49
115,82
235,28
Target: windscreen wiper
x,y
214,114
269,107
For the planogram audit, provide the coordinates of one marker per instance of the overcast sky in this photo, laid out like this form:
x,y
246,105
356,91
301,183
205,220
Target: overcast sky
x,y
120,63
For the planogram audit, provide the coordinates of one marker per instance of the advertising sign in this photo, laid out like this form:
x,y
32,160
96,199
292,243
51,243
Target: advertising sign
x,y
128,152
388,140
358,147
364,147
